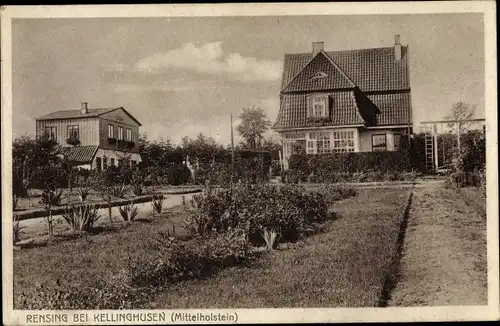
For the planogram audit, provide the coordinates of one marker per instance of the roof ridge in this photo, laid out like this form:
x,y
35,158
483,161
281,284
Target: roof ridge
x,y
346,50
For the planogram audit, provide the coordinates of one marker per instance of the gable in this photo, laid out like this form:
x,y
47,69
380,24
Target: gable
x,y
321,73
370,69
122,116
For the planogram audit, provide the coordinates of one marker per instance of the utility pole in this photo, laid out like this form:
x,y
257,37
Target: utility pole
x,y
232,151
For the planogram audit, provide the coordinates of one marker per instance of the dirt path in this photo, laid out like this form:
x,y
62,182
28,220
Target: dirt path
x,y
444,256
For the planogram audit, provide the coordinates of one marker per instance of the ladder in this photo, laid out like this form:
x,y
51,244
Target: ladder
x,y
429,149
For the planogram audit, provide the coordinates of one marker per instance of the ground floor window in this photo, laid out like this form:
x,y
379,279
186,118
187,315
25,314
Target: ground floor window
x,y
112,163
379,142
133,164
343,141
104,163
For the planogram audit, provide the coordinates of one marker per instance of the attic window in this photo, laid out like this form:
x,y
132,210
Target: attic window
x,y
319,75
318,106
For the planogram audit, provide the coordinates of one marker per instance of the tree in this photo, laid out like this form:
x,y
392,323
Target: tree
x,y
461,111
254,123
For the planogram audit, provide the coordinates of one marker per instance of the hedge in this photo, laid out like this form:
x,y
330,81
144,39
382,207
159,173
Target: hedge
x,y
386,161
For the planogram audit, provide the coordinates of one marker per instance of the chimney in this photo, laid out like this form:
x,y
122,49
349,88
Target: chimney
x,y
84,108
397,48
317,47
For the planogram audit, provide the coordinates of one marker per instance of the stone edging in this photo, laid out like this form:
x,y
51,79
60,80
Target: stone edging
x,y
40,212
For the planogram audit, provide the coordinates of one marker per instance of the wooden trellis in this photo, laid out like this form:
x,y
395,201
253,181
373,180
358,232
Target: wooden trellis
x,y
430,129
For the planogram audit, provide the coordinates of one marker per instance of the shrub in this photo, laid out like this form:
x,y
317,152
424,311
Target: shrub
x,y
334,193
83,193
128,212
270,237
180,260
81,218
468,179
178,174
253,208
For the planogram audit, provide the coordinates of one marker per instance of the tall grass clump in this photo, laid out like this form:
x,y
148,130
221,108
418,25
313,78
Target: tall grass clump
x,y
128,212
81,218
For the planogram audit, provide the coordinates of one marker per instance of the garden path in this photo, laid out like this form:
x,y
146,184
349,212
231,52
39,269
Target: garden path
x,y
444,257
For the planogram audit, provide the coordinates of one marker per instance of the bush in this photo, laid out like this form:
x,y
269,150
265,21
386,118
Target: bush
x,y
82,218
468,179
178,174
180,260
287,209
333,193
83,193
51,197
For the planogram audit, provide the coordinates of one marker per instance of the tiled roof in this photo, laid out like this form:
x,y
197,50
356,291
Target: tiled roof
x,y
394,108
76,114
293,111
79,154
331,77
370,69
73,114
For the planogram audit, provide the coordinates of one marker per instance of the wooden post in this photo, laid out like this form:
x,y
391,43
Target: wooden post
x,y
435,141
232,151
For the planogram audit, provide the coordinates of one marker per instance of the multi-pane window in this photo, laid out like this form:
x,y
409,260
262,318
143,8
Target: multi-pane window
x,y
112,163
343,141
128,135
379,143
51,133
104,163
323,142
397,141
120,162
111,131
317,106
120,132
73,132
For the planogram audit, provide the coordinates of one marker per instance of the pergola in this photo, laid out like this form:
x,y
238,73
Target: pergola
x,y
431,140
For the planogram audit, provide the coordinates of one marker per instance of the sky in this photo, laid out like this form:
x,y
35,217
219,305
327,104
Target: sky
x,y
180,76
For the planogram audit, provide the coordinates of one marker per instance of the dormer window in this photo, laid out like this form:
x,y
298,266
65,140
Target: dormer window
x,y
318,106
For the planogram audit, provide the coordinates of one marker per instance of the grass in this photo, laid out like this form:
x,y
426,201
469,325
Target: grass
x,y
343,267
346,266
77,259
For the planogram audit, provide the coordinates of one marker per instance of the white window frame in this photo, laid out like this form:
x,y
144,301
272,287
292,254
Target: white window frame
x,y
344,141
120,133
318,105
128,134
111,131
379,148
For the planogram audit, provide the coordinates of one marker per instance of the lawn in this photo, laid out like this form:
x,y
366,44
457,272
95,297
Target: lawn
x,y
343,267
346,266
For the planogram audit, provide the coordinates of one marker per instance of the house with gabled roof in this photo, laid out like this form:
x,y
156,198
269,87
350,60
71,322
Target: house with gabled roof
x,y
344,101
93,138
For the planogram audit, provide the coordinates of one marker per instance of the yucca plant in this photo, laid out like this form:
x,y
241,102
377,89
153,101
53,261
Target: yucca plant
x,y
83,193
118,191
17,230
270,237
157,205
50,197
81,218
15,201
128,212
137,189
